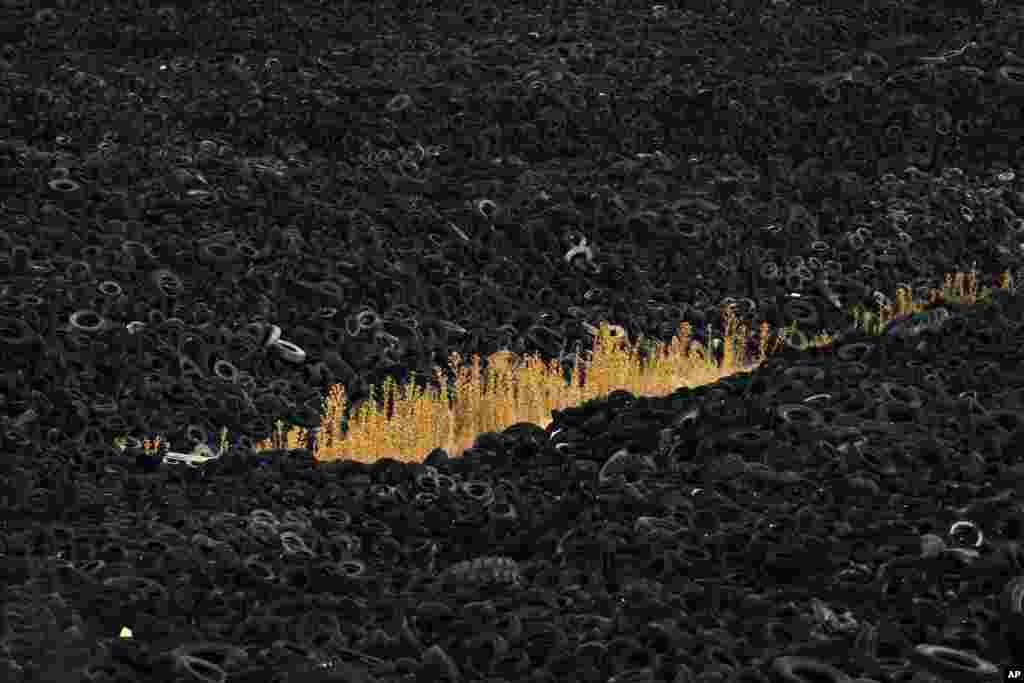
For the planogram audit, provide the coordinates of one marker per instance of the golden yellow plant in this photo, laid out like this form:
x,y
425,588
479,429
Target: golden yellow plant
x,y
408,422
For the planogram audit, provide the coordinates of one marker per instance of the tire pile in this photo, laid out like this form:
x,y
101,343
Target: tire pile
x,y
212,213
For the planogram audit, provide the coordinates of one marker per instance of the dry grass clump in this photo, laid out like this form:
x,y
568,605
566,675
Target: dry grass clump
x,y
527,389
511,390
